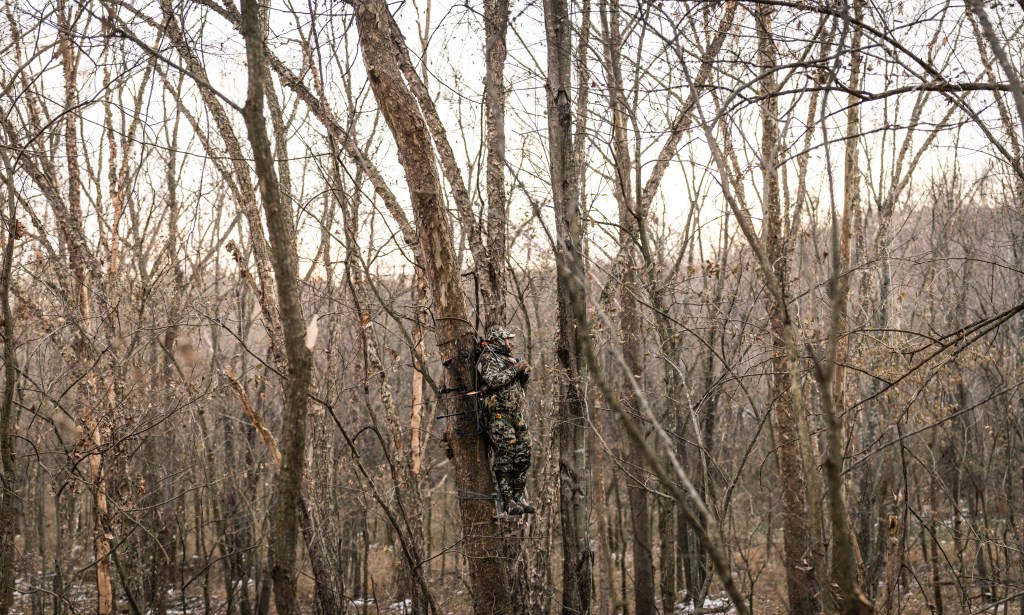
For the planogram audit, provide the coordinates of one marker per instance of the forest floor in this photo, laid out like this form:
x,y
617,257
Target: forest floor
x,y
209,593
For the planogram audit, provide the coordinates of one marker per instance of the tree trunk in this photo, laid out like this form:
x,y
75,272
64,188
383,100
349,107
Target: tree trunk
x,y
851,207
483,541
573,482
8,495
495,27
299,358
70,224
889,601
630,325
797,531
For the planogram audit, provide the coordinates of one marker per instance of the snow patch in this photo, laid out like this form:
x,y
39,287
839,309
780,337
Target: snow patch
x,y
711,605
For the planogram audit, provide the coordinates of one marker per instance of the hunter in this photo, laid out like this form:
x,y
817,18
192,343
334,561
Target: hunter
x,y
503,391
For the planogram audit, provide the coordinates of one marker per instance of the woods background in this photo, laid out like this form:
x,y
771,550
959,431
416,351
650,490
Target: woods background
x,y
764,258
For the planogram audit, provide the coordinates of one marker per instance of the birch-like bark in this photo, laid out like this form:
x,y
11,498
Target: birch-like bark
x,y
798,528
420,434
70,221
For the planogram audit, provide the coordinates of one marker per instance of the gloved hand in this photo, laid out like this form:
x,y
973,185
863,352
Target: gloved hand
x,y
523,369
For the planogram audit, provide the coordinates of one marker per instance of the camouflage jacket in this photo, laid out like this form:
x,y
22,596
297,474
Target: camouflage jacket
x,y
501,382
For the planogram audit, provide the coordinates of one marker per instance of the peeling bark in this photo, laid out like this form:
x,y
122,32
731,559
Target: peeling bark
x,y
483,540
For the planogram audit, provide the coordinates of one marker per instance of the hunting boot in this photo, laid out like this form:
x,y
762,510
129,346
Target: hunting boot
x,y
526,506
519,489
508,495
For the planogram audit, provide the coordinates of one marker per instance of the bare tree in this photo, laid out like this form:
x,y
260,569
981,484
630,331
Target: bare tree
x,y
293,323
573,485
455,336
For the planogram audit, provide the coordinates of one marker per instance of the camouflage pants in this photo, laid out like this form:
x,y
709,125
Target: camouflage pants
x,y
510,445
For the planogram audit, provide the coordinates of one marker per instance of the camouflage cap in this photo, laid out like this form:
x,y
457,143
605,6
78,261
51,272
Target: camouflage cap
x,y
497,333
